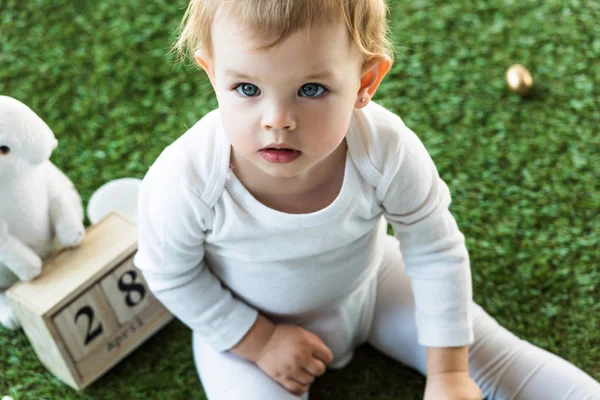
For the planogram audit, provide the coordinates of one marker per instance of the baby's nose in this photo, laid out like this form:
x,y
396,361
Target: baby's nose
x,y
290,126
280,119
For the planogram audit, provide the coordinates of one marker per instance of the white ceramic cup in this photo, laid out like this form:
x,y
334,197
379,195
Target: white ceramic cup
x,y
119,195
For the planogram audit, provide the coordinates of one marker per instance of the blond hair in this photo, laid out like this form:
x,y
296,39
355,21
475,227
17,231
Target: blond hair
x,y
271,21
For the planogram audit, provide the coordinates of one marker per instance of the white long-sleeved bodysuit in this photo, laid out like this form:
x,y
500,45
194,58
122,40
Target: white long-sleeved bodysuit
x,y
214,255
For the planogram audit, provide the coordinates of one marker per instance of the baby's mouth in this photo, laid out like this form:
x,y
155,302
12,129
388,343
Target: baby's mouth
x,y
282,149
279,154
278,147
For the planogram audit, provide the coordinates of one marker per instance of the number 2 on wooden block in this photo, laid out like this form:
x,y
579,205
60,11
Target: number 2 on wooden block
x,y
92,333
86,323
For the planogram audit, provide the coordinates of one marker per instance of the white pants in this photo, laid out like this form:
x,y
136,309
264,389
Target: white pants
x,y
503,366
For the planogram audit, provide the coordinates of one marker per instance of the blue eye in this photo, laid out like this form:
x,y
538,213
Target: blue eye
x,y
248,90
311,90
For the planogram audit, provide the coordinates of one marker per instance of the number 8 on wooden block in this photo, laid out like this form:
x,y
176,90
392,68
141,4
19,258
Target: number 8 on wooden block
x,y
126,291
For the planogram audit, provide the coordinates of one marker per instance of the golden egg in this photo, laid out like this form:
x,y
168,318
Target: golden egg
x,y
519,79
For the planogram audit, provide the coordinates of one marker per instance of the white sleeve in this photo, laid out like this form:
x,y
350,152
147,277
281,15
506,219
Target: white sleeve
x,y
172,225
415,201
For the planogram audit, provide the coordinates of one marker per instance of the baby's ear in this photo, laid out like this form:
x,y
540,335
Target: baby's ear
x,y
206,63
372,74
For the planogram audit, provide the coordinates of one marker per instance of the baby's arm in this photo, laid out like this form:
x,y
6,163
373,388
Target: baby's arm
x,y
416,203
172,224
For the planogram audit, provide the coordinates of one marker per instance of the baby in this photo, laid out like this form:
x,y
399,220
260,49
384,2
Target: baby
x,y
263,228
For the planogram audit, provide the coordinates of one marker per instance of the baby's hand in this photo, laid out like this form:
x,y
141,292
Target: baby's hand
x,y
451,386
293,357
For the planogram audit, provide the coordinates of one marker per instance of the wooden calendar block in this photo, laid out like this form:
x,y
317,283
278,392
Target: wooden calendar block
x,y
90,307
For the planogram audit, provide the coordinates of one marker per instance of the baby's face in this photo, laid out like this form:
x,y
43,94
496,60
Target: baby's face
x,y
299,94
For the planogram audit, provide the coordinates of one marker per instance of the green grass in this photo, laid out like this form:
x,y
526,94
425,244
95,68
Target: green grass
x,y
524,173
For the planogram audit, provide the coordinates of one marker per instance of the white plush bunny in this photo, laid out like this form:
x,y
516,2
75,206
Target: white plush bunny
x,y
39,206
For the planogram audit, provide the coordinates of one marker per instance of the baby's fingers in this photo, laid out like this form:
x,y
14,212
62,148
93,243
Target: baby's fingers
x,y
322,352
304,377
294,386
315,367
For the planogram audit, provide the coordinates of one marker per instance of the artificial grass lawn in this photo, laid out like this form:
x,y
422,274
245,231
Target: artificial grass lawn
x,y
524,173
